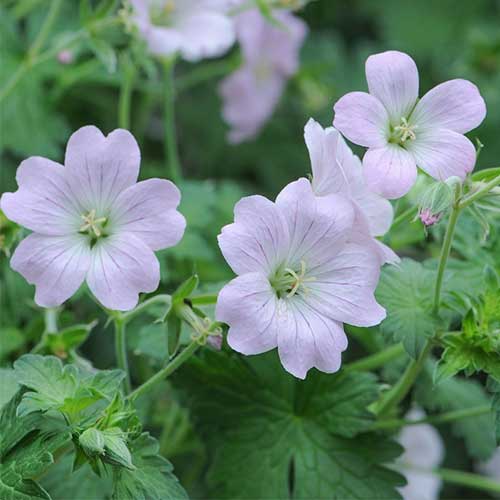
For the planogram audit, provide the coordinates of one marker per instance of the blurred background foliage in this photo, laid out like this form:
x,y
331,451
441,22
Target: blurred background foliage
x,y
447,38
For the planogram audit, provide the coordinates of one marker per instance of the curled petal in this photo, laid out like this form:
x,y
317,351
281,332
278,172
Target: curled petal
x,y
362,119
56,265
393,78
443,153
249,306
389,171
148,210
122,267
456,105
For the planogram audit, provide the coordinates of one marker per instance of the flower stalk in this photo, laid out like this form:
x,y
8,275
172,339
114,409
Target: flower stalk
x,y
121,351
480,192
376,360
127,86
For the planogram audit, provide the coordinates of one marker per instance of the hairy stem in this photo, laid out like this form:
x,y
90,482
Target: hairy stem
x,y
157,299
181,358
480,192
170,142
376,360
121,351
450,416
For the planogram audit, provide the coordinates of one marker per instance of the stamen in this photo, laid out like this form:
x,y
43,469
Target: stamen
x,y
91,224
405,131
298,280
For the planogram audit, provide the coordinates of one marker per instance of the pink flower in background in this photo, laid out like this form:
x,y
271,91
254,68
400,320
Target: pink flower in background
x,y
270,58
197,29
65,56
402,131
92,221
337,170
424,449
299,278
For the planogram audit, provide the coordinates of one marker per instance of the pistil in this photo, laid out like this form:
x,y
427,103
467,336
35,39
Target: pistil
x,y
91,224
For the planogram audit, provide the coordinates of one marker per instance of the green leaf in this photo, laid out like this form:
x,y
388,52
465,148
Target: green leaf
x,y
69,338
11,340
406,292
105,53
287,438
494,388
151,480
152,341
185,289
8,386
458,394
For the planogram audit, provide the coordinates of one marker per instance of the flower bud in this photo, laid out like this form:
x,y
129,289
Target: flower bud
x,y
215,342
92,441
65,56
435,201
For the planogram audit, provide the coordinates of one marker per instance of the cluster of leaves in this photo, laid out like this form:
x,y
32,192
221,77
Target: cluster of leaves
x,y
61,409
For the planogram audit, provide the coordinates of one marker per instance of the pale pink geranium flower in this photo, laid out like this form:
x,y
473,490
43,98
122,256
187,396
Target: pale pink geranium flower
x,y
92,221
337,170
299,278
270,58
424,450
197,29
402,131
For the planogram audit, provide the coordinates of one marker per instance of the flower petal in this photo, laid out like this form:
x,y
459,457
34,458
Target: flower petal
x,y
122,266
148,210
377,210
393,78
56,265
328,174
389,171
318,226
99,167
44,202
344,287
248,305
161,41
307,339
258,240
443,153
205,34
362,119
456,105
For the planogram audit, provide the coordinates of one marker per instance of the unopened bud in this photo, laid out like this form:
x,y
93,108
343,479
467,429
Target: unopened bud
x,y
435,201
215,342
92,441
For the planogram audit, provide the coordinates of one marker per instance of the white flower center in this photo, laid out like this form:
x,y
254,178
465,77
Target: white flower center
x,y
289,282
161,12
93,225
404,131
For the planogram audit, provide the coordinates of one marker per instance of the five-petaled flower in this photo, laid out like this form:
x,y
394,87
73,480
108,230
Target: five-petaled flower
x,y
271,57
92,221
197,29
337,170
300,278
402,131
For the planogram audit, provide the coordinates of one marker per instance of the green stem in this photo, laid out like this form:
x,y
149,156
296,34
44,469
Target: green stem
x,y
170,142
51,320
461,478
480,192
121,351
126,89
402,217
157,299
33,50
202,300
35,60
397,393
166,371
376,360
450,416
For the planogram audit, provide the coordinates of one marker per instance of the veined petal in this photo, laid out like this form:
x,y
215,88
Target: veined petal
x,y
307,339
344,287
44,201
56,265
258,240
392,77
456,105
377,210
248,305
148,210
389,171
363,119
205,34
99,168
328,174
443,153
318,226
121,267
